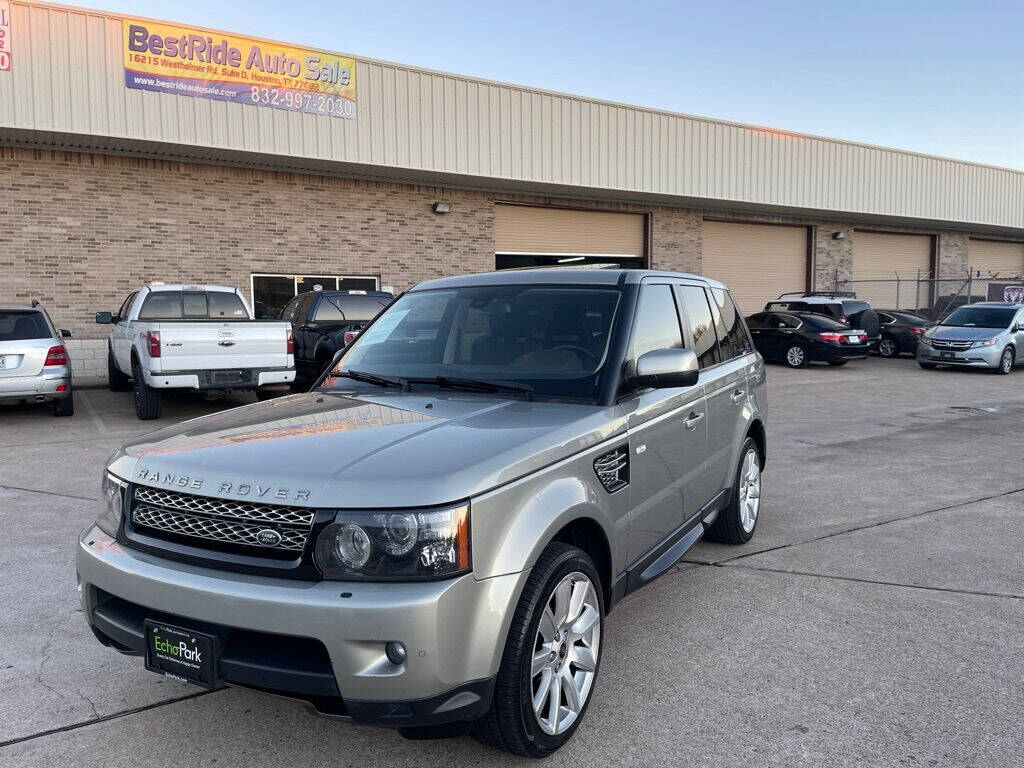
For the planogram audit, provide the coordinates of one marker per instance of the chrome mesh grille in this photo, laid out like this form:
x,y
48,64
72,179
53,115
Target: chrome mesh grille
x,y
221,520
940,344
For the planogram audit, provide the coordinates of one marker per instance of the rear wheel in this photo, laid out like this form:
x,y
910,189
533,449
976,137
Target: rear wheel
x,y
735,524
888,347
1005,362
796,356
65,406
551,657
116,380
147,399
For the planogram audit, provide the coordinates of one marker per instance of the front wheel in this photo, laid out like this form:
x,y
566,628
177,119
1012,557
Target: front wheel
x,y
888,347
551,657
1005,362
735,524
796,357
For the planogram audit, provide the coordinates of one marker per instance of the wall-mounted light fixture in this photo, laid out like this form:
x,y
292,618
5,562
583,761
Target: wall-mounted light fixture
x,y
838,235
442,207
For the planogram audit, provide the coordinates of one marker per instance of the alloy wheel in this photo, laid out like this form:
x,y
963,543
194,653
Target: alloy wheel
x,y
565,653
795,356
887,348
1006,362
750,491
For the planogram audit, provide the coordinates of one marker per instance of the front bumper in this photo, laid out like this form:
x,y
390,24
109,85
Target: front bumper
x,y
174,380
975,357
453,631
41,387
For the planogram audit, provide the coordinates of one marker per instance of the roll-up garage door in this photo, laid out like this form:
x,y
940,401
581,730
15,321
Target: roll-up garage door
x,y
1002,259
532,236
758,262
877,261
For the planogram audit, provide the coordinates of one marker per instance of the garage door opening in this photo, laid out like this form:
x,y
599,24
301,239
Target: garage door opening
x,y
530,236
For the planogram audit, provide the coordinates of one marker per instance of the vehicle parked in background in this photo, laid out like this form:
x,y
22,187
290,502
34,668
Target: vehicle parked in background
x,y
899,331
797,338
34,363
989,335
433,538
200,337
324,322
842,306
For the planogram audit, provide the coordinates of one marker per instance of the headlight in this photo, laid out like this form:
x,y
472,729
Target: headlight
x,y
986,343
399,544
112,493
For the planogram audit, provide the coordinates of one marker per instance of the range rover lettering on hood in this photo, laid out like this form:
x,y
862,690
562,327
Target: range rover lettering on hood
x,y
252,490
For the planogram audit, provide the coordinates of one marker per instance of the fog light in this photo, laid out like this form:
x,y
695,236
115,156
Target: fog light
x,y
395,652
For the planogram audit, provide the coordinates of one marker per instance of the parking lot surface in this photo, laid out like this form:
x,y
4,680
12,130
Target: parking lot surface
x,y
876,618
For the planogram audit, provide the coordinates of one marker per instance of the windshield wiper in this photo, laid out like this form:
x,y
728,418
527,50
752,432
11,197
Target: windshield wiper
x,y
476,385
373,378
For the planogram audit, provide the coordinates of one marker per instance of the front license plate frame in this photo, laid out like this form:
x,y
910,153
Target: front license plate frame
x,y
948,355
182,653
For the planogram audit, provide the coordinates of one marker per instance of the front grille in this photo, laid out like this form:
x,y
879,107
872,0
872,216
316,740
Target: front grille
x,y
939,344
261,526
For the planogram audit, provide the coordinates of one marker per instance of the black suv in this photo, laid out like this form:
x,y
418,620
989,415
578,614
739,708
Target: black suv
x,y
324,322
839,305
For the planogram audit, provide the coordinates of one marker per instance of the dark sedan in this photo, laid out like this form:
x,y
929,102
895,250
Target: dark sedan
x,y
797,338
900,331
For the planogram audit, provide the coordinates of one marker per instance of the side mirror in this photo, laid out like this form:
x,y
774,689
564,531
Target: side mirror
x,y
663,368
65,333
104,318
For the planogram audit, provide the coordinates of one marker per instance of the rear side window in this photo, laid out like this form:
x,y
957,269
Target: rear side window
x,y
161,305
790,306
657,322
21,326
732,333
853,307
824,323
350,308
702,324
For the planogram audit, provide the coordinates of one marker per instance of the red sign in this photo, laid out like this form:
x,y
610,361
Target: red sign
x,y
5,35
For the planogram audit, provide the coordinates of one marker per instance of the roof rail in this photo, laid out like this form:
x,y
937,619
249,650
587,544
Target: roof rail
x,y
827,294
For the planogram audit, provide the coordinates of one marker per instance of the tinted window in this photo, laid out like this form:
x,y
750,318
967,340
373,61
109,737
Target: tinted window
x,y
123,311
823,323
350,308
792,306
288,313
784,321
884,318
657,324
757,321
980,317
702,325
853,307
20,326
194,305
553,339
732,334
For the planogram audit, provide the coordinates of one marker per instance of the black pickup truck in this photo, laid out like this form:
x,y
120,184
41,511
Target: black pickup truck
x,y
324,322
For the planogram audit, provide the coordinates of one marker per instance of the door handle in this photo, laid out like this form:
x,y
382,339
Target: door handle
x,y
691,421
737,396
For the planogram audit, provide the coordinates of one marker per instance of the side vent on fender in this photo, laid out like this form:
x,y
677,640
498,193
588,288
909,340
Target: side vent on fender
x,y
612,468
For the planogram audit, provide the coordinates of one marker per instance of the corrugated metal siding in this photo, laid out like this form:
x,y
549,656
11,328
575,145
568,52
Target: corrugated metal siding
x,y
68,78
567,232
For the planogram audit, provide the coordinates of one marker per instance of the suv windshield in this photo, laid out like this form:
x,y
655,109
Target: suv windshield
x,y
554,340
980,317
20,326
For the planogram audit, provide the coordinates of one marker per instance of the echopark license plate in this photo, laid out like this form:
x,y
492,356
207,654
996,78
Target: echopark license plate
x,y
182,654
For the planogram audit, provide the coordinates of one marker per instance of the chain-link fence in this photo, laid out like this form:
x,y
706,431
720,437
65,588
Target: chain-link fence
x,y
933,297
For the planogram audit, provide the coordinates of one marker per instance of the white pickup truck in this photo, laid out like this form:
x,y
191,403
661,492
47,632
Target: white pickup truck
x,y
200,337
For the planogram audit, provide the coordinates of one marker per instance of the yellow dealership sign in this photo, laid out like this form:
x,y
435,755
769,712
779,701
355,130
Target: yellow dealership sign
x,y
208,65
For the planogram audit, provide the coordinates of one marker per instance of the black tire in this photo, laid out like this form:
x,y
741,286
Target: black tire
x,y
888,347
65,406
838,363
116,380
147,399
1006,361
728,526
927,366
510,724
798,360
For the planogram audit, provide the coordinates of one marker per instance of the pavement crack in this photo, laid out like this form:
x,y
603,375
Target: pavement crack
x,y
855,579
854,529
48,493
105,718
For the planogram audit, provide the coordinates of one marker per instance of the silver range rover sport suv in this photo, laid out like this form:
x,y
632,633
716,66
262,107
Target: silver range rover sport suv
x,y
433,537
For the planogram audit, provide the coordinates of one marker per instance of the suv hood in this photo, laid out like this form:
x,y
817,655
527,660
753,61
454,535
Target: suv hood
x,y
361,451
966,333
